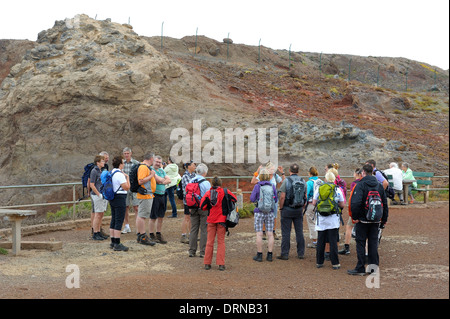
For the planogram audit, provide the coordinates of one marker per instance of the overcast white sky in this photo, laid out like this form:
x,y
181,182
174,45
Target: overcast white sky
x,y
417,30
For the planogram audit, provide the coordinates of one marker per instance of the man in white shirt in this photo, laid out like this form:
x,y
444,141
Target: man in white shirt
x,y
397,179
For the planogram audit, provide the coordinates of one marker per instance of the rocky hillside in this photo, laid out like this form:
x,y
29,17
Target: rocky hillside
x,y
87,86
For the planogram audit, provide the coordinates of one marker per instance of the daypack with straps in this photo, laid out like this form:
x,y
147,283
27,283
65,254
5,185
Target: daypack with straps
x,y
326,203
266,200
134,182
85,177
107,190
229,208
295,192
193,194
374,207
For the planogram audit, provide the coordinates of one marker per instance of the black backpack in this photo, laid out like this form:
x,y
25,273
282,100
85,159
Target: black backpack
x,y
229,209
85,177
295,192
134,182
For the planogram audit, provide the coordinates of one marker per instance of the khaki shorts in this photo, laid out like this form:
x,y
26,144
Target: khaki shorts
x,y
145,207
132,199
99,204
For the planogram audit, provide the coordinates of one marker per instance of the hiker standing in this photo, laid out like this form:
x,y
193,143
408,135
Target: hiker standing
x,y
265,195
329,201
212,202
172,171
99,204
366,228
131,197
147,182
159,203
292,201
188,175
121,184
312,186
199,216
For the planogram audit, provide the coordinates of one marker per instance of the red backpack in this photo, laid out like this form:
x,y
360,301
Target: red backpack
x,y
193,195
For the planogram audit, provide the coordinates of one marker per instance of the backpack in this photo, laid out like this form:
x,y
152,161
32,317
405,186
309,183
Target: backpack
x,y
343,186
85,177
374,207
193,194
213,197
107,185
316,185
327,204
266,199
229,208
295,192
134,182
180,193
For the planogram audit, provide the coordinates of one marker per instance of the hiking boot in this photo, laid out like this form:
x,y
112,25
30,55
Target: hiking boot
x,y
336,267
345,250
159,239
319,265
355,272
269,256
120,247
207,267
221,267
258,257
144,240
98,236
283,257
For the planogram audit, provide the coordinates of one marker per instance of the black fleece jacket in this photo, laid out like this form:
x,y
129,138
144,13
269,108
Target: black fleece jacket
x,y
358,201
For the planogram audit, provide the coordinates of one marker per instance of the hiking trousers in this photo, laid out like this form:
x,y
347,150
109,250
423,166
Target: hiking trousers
x,y
214,230
324,236
198,223
369,232
291,216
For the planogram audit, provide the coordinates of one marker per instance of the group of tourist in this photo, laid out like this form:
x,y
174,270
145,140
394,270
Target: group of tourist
x,y
158,181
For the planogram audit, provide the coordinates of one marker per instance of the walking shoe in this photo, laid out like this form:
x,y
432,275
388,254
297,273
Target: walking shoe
x,y
144,240
336,267
269,256
355,272
258,257
191,254
120,247
98,236
345,250
126,229
283,257
207,267
221,267
159,239
319,265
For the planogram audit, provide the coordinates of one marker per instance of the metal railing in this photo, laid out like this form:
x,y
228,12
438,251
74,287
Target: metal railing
x,y
75,201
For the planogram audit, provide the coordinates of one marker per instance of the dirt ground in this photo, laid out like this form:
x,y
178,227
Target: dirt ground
x,y
414,263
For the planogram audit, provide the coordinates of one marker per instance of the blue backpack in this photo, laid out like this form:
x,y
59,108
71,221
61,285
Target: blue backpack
x,y
107,185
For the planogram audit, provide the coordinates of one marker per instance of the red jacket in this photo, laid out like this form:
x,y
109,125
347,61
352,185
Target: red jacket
x,y
216,212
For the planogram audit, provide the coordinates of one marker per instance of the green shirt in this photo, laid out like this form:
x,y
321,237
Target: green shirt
x,y
160,188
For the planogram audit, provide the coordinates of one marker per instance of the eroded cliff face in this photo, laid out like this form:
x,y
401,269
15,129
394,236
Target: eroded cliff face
x,y
88,86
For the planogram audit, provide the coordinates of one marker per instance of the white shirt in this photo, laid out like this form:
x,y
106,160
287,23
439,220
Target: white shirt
x,y
397,177
118,179
332,221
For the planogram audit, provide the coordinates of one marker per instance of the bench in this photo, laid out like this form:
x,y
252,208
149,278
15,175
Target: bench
x,y
425,182
16,216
